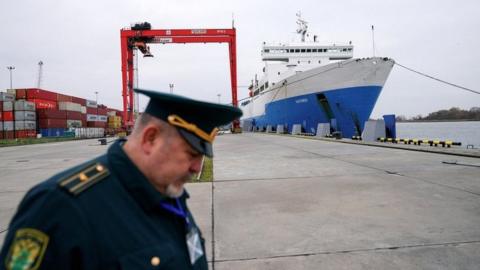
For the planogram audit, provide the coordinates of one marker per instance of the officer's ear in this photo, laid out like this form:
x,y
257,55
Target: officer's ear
x,y
149,137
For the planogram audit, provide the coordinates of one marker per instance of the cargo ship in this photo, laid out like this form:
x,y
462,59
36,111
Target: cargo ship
x,y
306,83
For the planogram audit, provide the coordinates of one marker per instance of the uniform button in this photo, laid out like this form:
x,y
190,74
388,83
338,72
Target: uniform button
x,y
99,168
155,261
83,177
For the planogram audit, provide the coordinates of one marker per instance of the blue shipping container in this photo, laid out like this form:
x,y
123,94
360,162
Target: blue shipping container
x,y
52,132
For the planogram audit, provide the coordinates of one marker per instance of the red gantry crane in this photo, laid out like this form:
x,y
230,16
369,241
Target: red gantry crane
x,y
140,34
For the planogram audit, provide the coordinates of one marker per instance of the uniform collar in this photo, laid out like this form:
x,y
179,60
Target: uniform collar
x,y
134,180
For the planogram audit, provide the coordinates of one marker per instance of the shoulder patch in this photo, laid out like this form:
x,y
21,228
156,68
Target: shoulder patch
x,y
84,178
27,249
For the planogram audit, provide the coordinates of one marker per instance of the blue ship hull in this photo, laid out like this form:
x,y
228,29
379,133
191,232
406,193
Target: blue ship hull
x,y
345,109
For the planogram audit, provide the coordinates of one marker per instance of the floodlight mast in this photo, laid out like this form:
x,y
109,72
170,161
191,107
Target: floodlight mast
x,y
141,34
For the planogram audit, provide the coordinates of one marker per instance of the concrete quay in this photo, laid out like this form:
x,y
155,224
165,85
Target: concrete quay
x,y
280,202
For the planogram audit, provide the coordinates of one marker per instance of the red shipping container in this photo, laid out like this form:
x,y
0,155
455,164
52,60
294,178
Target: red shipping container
x,y
44,104
63,98
51,113
80,101
1,116
97,124
35,93
25,134
91,110
52,123
9,135
20,94
74,115
102,111
7,116
1,106
84,123
1,135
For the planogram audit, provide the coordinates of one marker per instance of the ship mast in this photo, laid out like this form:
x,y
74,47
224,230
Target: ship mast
x,y
302,26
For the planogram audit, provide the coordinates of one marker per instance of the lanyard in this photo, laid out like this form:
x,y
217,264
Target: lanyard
x,y
176,210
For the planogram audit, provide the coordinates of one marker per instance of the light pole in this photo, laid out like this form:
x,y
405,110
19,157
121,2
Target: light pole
x,y
219,95
96,97
171,88
10,68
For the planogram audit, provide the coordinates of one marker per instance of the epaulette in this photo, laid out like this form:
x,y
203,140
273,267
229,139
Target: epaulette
x,y
84,178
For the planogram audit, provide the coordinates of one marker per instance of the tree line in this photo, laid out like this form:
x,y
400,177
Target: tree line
x,y
453,113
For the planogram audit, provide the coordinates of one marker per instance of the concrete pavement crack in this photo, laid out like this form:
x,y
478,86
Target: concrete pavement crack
x,y
353,251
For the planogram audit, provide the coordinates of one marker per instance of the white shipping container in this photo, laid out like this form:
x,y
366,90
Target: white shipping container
x,y
74,123
23,105
6,96
69,106
25,116
102,118
112,113
83,110
8,125
13,92
92,103
7,106
25,125
91,117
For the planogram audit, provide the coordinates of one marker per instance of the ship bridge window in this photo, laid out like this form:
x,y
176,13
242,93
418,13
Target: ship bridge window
x,y
303,50
314,50
309,50
266,50
297,50
319,61
262,88
266,85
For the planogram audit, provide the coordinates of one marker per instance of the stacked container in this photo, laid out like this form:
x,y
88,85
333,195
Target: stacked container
x,y
52,122
7,117
25,119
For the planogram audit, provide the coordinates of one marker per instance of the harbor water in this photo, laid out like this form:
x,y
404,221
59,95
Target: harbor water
x,y
468,132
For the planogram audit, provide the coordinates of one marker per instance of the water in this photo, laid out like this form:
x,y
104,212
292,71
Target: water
x,y
465,132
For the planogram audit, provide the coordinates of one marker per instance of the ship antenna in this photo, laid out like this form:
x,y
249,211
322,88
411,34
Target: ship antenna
x,y
373,40
302,26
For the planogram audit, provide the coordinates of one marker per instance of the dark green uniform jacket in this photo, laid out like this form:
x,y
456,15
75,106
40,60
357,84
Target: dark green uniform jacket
x,y
100,215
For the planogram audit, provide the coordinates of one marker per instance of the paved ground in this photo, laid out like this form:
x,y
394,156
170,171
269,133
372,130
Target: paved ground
x,y
288,203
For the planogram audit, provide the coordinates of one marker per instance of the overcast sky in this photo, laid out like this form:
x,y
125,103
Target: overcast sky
x,y
79,43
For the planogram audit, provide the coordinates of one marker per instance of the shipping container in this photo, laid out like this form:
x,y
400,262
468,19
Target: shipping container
x,y
7,106
7,116
102,111
35,93
91,103
1,106
19,134
25,125
114,125
25,116
49,113
1,126
89,132
9,135
74,123
84,110
91,110
1,135
92,117
24,105
1,116
44,104
20,94
8,125
96,124
52,132
80,101
74,115
13,92
6,96
101,118
52,123
70,106
63,98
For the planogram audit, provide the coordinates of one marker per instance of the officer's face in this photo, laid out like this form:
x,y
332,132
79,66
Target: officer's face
x,y
173,162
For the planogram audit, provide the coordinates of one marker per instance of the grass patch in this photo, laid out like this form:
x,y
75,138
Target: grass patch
x,y
206,175
25,141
